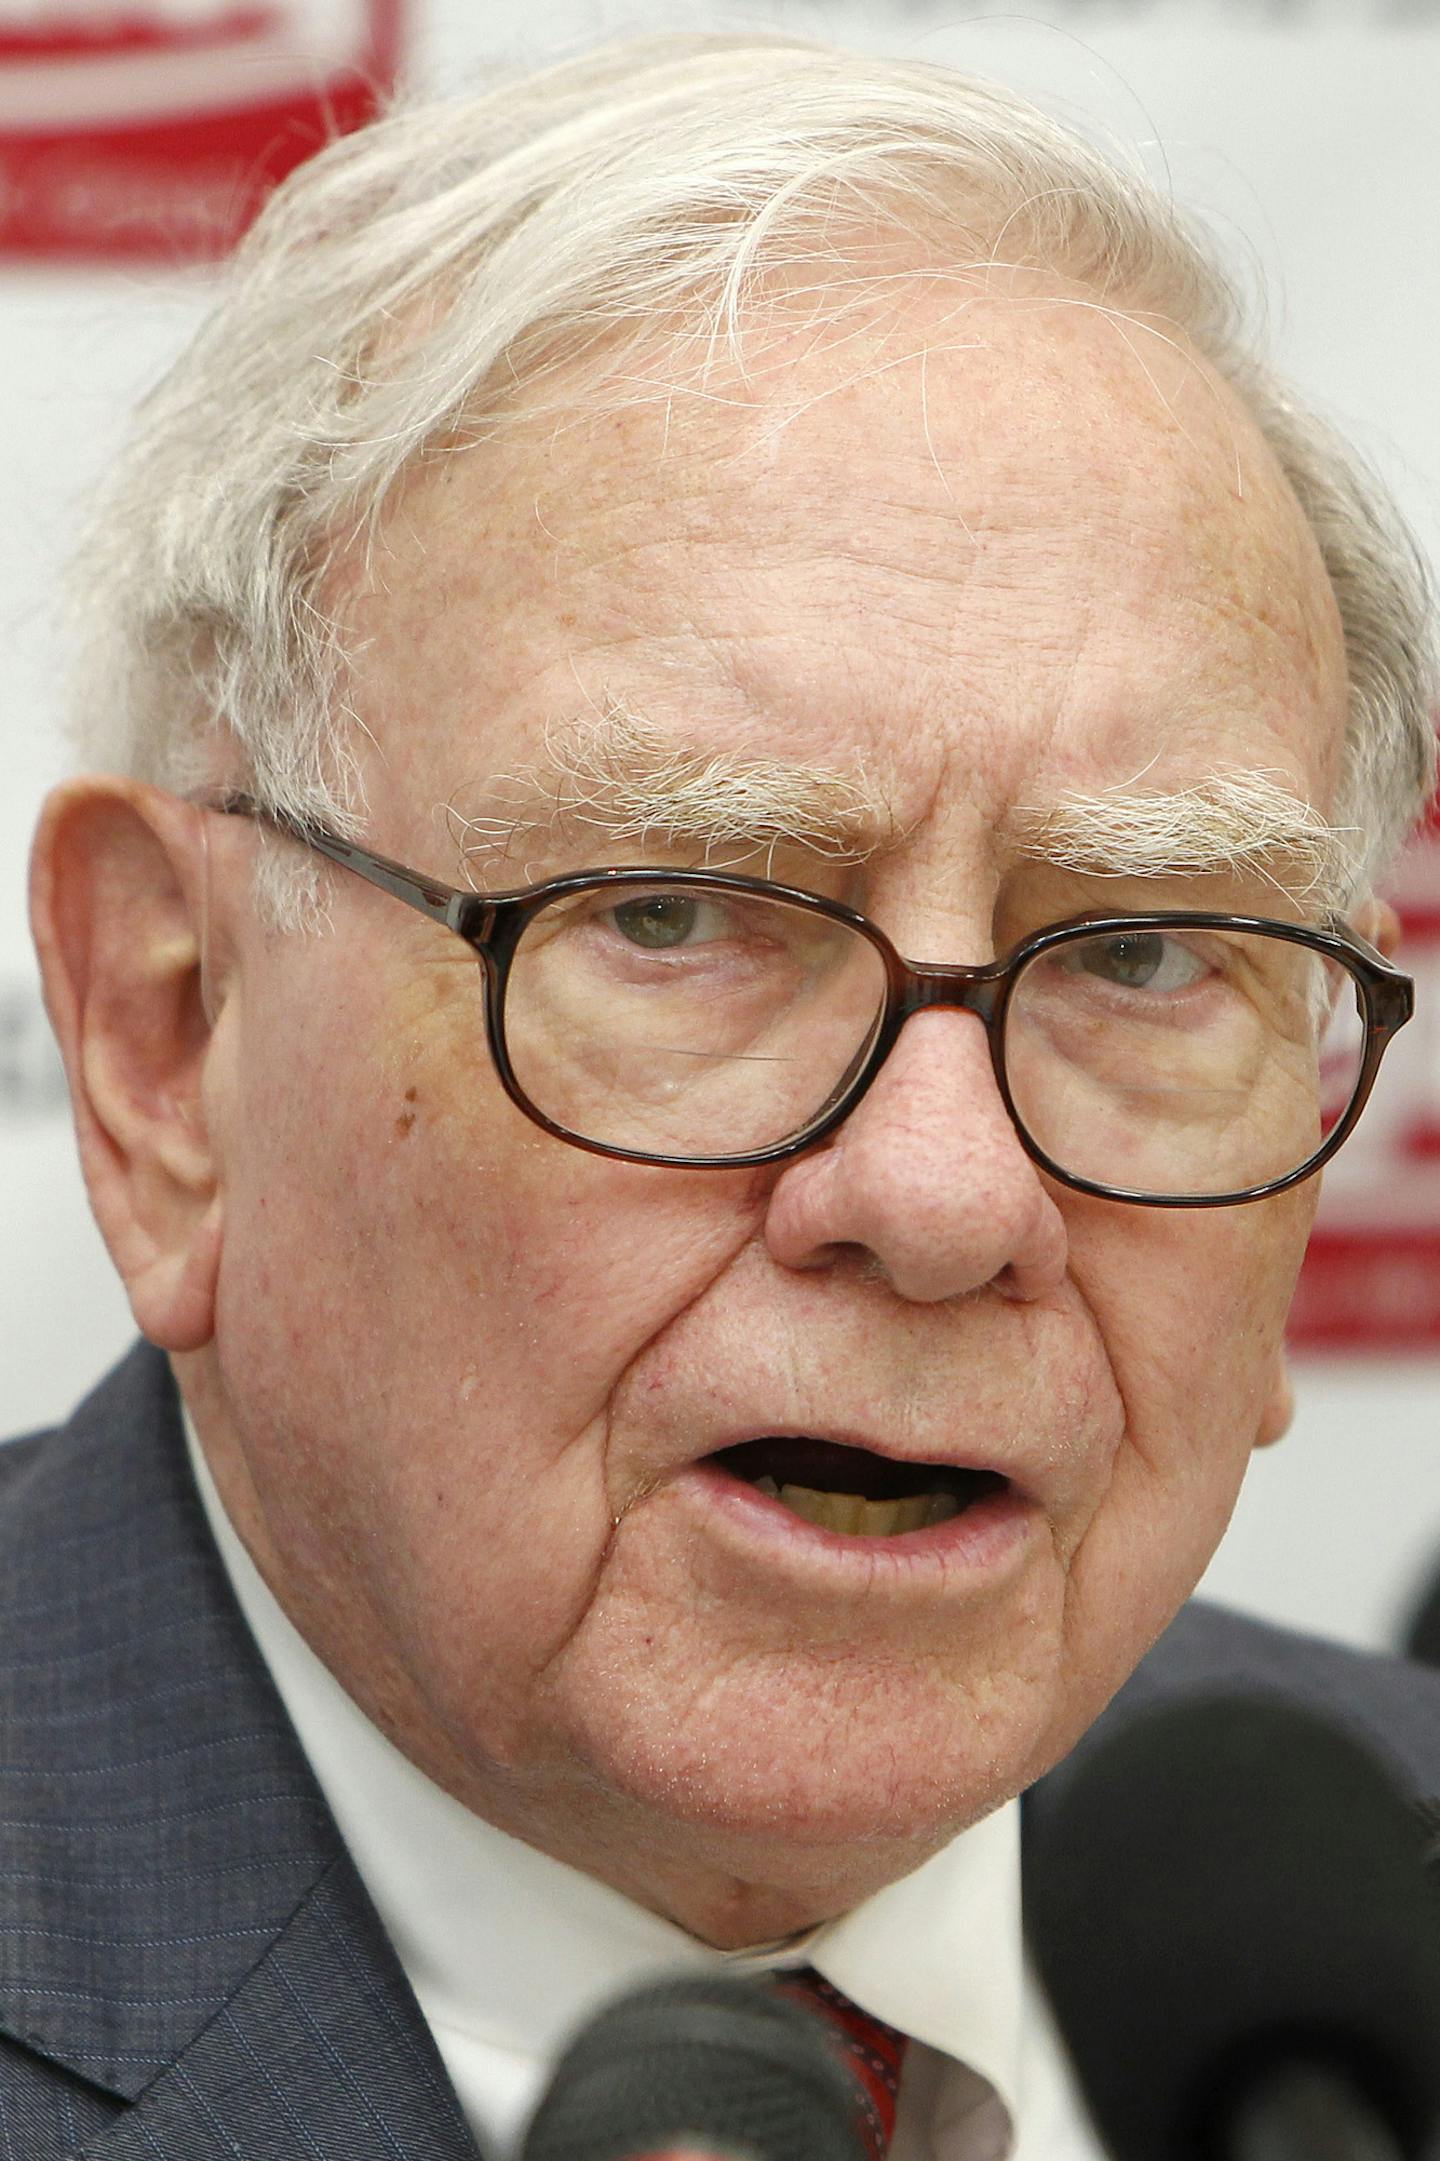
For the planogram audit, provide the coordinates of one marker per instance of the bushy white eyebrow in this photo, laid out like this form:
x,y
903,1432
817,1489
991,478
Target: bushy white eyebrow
x,y
619,775
1233,823
616,774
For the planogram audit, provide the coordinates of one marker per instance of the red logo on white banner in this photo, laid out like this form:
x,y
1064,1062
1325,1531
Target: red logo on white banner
x,y
157,130
1372,1275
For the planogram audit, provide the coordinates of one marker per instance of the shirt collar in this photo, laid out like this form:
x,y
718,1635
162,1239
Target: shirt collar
x,y
506,1945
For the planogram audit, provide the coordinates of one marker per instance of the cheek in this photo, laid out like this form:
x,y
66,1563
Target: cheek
x,y
427,1308
1191,1305
383,1178
1192,1309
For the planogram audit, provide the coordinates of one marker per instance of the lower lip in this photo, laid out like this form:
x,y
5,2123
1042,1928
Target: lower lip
x,y
981,1542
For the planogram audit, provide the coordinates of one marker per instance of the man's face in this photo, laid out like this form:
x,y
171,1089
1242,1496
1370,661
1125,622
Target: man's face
x,y
465,1378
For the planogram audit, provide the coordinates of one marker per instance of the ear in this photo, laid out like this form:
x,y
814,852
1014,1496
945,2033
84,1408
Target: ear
x,y
1377,921
1277,1412
117,898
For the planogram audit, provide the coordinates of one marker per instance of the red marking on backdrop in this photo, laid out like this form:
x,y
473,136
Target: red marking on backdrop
x,y
1371,1279
156,131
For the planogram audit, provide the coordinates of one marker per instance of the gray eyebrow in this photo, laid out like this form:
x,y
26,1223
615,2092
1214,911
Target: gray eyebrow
x,y
614,772
1236,822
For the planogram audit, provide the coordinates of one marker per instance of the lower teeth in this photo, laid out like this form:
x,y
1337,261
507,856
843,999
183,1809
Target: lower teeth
x,y
852,1514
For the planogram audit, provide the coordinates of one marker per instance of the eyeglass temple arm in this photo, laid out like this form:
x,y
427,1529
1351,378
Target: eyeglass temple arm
x,y
466,913
1392,992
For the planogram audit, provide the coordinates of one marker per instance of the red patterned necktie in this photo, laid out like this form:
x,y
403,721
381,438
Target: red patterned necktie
x,y
873,2051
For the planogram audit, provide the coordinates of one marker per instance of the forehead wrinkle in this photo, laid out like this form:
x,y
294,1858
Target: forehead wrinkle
x,y
615,773
1236,822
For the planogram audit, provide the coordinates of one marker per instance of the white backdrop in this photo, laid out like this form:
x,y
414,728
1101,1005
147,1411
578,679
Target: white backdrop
x,y
1305,132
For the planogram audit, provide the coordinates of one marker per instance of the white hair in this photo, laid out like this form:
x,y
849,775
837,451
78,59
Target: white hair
x,y
416,284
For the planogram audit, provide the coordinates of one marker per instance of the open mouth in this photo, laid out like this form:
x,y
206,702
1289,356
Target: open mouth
x,y
852,1490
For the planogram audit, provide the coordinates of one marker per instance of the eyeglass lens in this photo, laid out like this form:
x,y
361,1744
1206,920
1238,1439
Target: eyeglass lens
x,y
1184,1062
696,1022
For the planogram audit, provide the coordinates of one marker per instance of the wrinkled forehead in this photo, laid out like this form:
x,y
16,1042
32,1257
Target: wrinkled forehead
x,y
1026,402
859,506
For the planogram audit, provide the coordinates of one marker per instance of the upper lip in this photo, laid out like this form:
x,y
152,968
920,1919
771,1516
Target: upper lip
x,y
1043,1423
948,1457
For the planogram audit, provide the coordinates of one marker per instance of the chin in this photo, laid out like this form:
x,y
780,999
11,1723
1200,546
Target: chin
x,y
741,1861
814,1787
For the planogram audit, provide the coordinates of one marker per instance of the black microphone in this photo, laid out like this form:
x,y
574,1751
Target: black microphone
x,y
1422,1637
1232,1912
704,2068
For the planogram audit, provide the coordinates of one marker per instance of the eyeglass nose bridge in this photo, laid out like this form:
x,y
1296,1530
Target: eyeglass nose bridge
x,y
979,988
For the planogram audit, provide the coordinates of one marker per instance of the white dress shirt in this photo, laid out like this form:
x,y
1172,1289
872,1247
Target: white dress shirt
x,y
509,1951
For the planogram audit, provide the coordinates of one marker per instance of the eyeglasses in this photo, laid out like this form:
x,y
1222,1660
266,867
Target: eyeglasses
x,y
688,1017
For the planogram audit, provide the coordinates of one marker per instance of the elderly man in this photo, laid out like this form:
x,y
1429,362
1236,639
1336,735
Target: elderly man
x,y
727,911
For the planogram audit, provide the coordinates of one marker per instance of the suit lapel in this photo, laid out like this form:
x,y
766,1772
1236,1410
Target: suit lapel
x,y
318,2054
187,1931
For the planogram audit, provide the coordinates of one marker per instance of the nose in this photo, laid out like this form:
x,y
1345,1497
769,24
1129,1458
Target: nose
x,y
927,1178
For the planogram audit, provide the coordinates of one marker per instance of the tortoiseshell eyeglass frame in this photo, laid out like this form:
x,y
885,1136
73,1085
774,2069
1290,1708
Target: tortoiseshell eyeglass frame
x,y
492,925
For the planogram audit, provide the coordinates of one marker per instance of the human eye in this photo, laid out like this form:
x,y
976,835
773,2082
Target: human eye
x,y
678,938
669,922
1154,961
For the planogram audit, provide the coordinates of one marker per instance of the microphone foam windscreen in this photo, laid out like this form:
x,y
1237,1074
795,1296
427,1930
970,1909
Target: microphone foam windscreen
x,y
1227,1883
707,2062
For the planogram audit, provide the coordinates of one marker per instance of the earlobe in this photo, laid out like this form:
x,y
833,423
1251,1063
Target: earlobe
x,y
172,1289
117,906
1278,1410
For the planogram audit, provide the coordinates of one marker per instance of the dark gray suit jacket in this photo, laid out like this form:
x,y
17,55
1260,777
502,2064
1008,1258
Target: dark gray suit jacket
x,y
190,1969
